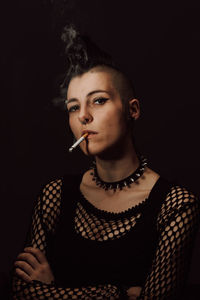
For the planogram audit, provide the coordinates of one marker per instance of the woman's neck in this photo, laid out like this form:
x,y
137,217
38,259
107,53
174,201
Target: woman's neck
x,y
111,170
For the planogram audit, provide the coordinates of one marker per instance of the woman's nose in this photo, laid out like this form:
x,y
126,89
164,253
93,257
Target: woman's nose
x,y
85,117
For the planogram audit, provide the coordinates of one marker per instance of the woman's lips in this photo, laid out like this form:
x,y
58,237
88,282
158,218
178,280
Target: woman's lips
x,y
90,133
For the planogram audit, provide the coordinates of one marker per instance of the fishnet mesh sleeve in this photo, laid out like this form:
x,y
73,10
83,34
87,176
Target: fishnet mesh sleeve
x,y
178,222
44,219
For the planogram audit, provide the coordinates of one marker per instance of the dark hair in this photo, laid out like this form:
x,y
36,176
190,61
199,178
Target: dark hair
x,y
82,55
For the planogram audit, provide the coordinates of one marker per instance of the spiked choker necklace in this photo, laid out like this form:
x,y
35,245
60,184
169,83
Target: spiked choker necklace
x,y
126,182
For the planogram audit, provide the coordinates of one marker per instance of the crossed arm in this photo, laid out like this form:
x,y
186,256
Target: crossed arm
x,y
33,265
165,280
33,276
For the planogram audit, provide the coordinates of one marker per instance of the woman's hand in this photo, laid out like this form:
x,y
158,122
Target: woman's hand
x,y
33,265
134,292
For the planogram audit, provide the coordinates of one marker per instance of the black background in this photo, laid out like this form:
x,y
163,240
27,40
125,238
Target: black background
x,y
156,42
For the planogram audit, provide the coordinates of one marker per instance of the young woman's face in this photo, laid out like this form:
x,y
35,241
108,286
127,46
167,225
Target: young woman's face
x,y
94,104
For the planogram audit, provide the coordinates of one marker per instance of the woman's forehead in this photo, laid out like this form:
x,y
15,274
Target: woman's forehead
x,y
92,80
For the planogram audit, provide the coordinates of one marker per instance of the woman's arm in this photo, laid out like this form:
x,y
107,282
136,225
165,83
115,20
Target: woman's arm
x,y
177,224
33,276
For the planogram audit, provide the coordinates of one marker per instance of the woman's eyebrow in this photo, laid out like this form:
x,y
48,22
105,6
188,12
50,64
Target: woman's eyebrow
x,y
89,94
97,91
67,101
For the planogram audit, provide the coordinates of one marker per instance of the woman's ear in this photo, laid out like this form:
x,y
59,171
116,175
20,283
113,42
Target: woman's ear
x,y
134,108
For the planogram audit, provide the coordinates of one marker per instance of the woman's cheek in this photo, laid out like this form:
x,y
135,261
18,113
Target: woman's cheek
x,y
73,126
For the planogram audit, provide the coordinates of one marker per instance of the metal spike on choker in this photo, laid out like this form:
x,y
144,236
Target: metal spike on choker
x,y
121,183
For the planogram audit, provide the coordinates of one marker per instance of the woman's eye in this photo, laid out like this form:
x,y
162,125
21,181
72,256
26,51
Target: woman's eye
x,y
73,108
100,100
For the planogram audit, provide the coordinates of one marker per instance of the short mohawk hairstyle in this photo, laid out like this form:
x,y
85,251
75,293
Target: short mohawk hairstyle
x,y
82,54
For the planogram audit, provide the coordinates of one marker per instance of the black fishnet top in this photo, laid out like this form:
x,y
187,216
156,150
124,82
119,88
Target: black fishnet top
x,y
164,273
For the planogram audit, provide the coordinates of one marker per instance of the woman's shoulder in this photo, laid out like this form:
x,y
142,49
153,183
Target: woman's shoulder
x,y
50,187
48,205
179,200
53,187
180,195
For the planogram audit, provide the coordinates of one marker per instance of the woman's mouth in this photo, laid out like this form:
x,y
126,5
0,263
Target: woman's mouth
x,y
90,133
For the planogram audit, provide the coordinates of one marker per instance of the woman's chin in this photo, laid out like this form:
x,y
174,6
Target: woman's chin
x,y
92,150
106,153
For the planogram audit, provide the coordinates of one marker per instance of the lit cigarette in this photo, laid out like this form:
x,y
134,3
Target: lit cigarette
x,y
78,142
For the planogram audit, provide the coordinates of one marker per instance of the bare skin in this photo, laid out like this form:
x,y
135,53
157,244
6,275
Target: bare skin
x,y
94,103
33,265
120,200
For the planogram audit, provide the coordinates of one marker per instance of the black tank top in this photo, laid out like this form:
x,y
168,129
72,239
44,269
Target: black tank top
x,y
124,261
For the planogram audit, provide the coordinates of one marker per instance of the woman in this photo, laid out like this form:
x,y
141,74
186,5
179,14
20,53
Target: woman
x,y
120,230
